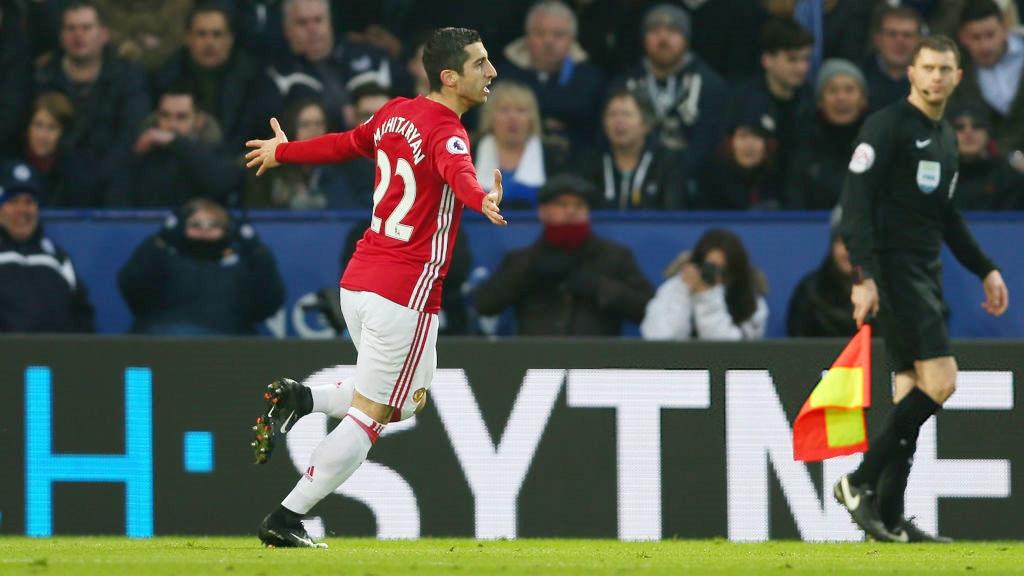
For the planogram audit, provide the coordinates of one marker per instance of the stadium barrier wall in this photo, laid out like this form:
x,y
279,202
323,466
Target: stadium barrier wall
x,y
520,438
785,245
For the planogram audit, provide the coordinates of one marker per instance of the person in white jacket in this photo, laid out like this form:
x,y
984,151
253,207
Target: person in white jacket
x,y
712,293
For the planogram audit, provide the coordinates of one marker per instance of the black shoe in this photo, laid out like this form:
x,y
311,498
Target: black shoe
x,y
276,531
910,532
286,402
859,501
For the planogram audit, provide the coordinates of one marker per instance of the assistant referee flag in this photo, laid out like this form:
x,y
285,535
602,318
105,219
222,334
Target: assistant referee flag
x,y
831,422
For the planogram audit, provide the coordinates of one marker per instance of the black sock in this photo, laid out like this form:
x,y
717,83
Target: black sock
x,y
900,427
892,485
306,400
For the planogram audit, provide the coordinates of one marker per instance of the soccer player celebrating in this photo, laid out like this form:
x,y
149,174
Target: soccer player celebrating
x,y
897,211
391,288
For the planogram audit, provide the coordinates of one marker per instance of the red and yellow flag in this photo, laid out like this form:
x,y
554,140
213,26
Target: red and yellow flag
x,y
831,422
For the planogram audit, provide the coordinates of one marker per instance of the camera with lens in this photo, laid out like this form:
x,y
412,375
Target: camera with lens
x,y
710,273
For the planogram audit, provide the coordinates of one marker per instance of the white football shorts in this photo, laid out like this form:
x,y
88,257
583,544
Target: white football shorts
x,y
396,352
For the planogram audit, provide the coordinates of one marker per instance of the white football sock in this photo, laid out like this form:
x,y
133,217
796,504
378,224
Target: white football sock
x,y
334,460
332,399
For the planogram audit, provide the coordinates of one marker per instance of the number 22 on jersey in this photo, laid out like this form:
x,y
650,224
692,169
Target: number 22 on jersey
x,y
393,227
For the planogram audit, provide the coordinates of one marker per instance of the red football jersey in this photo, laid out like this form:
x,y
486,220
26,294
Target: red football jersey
x,y
424,177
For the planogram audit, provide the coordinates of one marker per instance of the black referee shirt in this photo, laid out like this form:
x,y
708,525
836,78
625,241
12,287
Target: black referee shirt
x,y
899,188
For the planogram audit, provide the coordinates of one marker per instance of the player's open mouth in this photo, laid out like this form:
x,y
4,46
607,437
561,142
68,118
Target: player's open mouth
x,y
487,90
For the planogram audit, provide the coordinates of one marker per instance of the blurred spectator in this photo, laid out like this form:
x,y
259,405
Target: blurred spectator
x,y
15,76
986,180
352,185
319,65
570,282
820,306
414,66
743,174
146,31
201,274
723,31
779,96
816,173
510,140
945,18
634,170
689,99
259,27
552,64
712,293
367,99
108,95
993,75
39,289
178,157
895,34
45,149
305,186
227,83
840,29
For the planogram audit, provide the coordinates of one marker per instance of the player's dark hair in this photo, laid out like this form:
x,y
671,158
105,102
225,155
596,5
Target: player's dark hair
x,y
446,50
742,285
209,7
779,34
84,5
938,43
976,10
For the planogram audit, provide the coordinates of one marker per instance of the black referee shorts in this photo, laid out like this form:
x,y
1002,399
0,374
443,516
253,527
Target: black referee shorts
x,y
912,315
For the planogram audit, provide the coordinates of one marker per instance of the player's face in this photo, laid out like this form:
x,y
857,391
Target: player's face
x,y
985,40
177,114
664,45
477,74
788,67
308,29
43,133
310,123
896,40
565,209
971,139
934,75
748,147
842,100
209,40
81,34
549,38
624,123
20,216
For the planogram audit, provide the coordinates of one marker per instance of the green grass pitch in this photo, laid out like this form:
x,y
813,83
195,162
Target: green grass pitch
x,y
194,556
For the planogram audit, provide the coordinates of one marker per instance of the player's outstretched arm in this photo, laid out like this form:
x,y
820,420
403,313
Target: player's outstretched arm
x,y
997,296
492,202
263,156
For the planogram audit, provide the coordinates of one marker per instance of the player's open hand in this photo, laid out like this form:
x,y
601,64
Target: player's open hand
x,y
263,156
865,301
997,297
492,201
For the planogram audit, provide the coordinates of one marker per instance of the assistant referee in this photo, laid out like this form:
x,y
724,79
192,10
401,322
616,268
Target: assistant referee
x,y
897,211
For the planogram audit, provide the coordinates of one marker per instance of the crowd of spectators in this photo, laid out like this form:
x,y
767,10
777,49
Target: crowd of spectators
x,y
617,105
